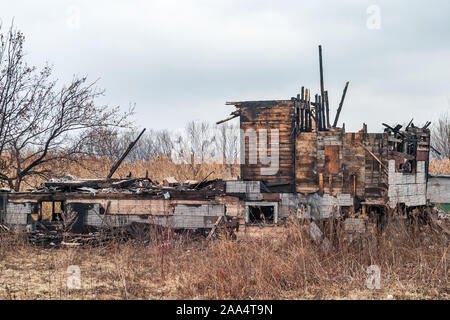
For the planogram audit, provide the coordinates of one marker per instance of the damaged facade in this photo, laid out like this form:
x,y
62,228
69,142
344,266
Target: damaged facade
x,y
293,162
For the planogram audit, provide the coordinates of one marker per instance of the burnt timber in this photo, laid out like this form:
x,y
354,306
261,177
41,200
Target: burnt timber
x,y
310,169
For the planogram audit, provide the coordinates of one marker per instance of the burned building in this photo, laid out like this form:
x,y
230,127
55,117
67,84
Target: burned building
x,y
325,170
294,161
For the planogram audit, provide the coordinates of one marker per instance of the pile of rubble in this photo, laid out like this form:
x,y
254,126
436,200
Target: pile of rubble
x,y
130,185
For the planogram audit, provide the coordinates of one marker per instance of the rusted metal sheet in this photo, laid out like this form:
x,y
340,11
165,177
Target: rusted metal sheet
x,y
332,159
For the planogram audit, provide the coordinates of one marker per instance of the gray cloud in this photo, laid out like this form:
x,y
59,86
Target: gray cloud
x,y
181,60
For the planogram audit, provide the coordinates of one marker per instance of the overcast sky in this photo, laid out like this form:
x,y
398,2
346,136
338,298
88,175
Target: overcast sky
x,y
181,60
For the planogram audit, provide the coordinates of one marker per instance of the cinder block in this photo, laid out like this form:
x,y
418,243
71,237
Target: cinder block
x,y
402,190
254,196
392,191
412,190
355,225
345,199
410,178
421,188
421,178
236,187
253,187
422,200
420,166
391,179
391,166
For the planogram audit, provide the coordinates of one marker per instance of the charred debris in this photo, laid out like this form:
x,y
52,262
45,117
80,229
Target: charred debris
x,y
295,161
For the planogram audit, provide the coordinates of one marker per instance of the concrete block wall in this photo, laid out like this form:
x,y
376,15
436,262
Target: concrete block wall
x,y
410,189
185,216
438,189
95,219
321,206
327,204
345,200
196,216
193,222
199,210
251,188
17,213
288,204
355,225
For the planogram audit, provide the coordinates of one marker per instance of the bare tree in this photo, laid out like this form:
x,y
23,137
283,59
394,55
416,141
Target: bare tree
x,y
111,143
194,145
39,122
199,140
105,142
440,137
164,143
227,142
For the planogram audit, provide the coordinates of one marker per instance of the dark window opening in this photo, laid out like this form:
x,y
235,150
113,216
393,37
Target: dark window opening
x,y
409,166
261,214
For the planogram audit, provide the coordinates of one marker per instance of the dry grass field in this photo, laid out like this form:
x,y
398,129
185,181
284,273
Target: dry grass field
x,y
277,265
284,264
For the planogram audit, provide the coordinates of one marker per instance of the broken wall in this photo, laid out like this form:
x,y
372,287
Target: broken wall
x,y
410,189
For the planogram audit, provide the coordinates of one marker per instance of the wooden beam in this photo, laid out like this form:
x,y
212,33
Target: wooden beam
x,y
117,164
228,119
340,105
375,157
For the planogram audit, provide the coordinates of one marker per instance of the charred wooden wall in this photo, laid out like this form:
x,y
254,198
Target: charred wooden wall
x,y
269,115
376,178
335,162
330,162
306,177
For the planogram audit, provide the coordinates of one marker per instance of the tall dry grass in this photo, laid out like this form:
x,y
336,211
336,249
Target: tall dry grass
x,y
439,166
292,266
287,265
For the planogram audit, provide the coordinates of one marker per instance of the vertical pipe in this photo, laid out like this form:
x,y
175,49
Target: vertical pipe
x,y
318,117
302,110
327,106
322,90
297,113
324,120
309,111
306,110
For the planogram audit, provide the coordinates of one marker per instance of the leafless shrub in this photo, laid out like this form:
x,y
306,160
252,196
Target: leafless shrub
x,y
41,122
440,137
